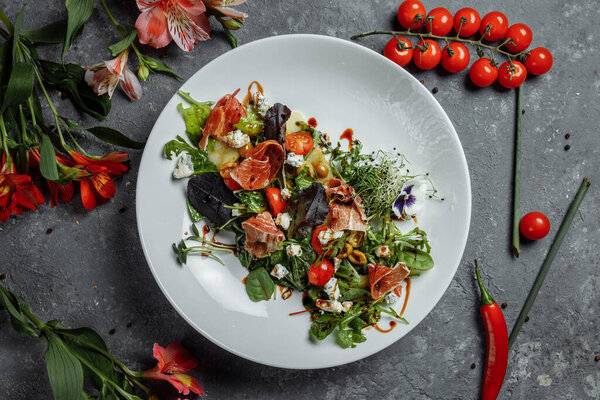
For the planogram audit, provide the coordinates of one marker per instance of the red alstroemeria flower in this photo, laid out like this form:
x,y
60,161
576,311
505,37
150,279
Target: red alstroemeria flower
x,y
183,21
173,363
223,6
66,191
16,191
105,77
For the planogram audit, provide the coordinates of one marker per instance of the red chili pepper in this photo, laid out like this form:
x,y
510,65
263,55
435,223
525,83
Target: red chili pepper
x,y
276,204
496,358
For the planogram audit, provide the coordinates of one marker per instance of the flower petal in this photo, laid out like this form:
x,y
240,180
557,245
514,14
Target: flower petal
x,y
398,206
174,359
192,7
145,5
103,184
184,30
190,384
152,28
117,64
130,85
102,81
87,195
231,12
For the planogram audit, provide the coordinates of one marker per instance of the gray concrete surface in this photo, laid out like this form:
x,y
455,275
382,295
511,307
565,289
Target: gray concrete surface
x,y
90,270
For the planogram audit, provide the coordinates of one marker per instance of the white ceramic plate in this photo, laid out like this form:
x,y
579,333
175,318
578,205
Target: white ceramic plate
x,y
343,85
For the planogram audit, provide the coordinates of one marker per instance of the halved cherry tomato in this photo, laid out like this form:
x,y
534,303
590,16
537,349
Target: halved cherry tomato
x,y
439,21
409,11
429,58
539,61
458,60
393,52
471,24
512,77
483,72
498,23
299,142
276,204
320,273
314,241
534,225
231,184
521,36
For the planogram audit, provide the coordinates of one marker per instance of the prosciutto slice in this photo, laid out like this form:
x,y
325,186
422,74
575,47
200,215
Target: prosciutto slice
x,y
225,114
260,166
262,235
346,209
384,279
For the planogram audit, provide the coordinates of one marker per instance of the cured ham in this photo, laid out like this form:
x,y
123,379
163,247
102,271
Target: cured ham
x,y
225,114
262,235
339,190
346,209
384,279
260,167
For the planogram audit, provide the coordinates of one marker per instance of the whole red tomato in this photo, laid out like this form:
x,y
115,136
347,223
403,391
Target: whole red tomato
x,y
439,21
534,225
276,203
428,58
539,61
393,52
521,37
483,72
498,24
320,272
470,24
512,76
411,14
458,60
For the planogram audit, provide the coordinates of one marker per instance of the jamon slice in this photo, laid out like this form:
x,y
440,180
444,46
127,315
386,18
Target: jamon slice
x,y
260,166
262,235
225,114
346,209
339,190
385,279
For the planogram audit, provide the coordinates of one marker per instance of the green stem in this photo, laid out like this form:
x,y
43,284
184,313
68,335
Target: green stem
x,y
432,36
562,232
120,28
30,104
486,298
517,175
4,34
6,21
39,324
4,139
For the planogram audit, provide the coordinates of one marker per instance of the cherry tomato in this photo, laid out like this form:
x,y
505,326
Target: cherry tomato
x,y
539,61
483,72
534,225
409,11
459,59
498,26
320,273
471,26
512,77
231,184
314,241
393,52
521,36
439,21
299,142
429,58
276,204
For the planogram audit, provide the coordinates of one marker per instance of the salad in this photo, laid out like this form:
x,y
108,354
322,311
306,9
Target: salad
x,y
307,215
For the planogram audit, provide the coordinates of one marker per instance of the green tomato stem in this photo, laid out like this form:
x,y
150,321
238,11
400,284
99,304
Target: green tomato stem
x,y
517,175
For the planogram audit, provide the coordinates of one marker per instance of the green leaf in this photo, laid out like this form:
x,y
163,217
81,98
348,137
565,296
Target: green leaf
x,y
54,32
64,370
199,157
48,166
17,31
5,63
348,338
194,214
303,180
20,85
416,259
195,118
115,137
252,124
159,67
231,37
15,306
78,11
253,200
259,285
124,43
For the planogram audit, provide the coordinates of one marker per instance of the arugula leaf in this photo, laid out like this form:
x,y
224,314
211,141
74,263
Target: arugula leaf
x,y
199,157
348,338
259,285
324,324
253,200
252,124
303,180
195,118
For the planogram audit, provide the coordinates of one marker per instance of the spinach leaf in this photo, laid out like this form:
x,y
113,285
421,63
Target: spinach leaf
x,y
415,259
195,118
348,338
310,209
252,124
209,195
259,285
324,324
199,157
253,200
303,180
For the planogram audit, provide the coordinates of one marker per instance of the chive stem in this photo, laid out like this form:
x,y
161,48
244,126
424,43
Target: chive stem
x,y
517,175
562,232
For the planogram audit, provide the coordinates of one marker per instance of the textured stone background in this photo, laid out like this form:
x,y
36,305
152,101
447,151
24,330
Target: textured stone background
x,y
90,271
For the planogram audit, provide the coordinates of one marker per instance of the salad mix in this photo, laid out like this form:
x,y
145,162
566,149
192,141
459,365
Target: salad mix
x,y
307,215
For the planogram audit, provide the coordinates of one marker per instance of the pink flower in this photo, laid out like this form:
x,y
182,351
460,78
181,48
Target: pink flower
x,y
173,363
105,77
222,6
183,21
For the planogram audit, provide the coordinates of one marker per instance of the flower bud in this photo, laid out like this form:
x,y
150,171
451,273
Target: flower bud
x,y
143,72
230,24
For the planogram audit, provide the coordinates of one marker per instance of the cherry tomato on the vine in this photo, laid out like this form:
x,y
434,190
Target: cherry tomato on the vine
x,y
534,225
393,52
299,142
459,59
521,37
498,26
512,76
409,11
429,58
276,203
539,61
439,21
320,273
471,24
483,72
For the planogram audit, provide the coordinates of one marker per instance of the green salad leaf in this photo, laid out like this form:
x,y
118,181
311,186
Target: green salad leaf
x,y
199,157
259,285
303,180
252,124
195,118
253,200
194,214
